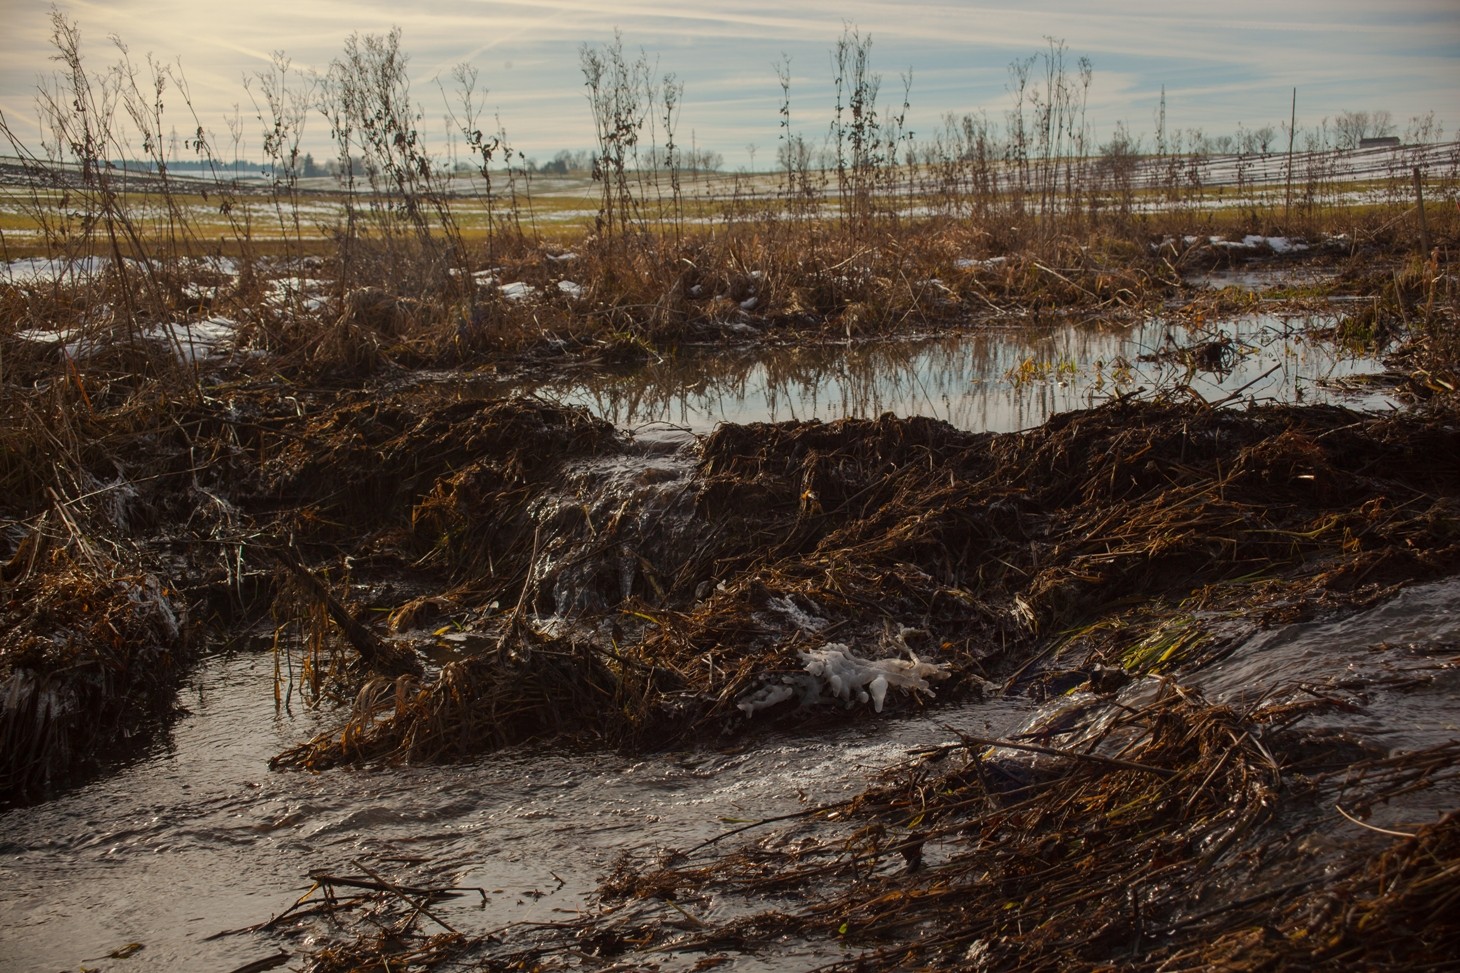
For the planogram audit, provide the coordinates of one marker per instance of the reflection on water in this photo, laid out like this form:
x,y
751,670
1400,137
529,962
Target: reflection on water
x,y
990,380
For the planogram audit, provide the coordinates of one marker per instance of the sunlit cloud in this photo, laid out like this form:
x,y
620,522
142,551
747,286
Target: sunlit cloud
x,y
1219,66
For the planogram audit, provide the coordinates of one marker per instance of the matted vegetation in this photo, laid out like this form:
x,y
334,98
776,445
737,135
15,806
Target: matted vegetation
x,y
1174,835
896,535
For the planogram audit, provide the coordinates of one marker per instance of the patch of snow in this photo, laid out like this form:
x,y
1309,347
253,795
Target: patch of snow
x,y
517,291
296,285
969,263
1282,244
196,340
77,343
481,278
192,340
43,270
571,289
201,292
1254,241
289,290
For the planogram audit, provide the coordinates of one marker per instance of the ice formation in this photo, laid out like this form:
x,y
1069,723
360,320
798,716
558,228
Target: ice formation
x,y
834,671
798,616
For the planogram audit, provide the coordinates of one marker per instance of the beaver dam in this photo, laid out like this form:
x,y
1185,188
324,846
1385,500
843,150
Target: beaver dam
x,y
1127,642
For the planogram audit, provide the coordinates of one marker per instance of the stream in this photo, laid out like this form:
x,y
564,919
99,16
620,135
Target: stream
x,y
196,839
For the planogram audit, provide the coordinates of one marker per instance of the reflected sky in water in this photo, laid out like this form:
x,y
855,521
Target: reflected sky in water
x,y
998,380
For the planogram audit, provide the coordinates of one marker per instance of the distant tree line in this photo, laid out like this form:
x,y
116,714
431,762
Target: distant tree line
x,y
581,161
186,165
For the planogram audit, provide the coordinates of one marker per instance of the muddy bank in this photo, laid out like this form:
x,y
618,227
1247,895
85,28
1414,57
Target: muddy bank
x,y
1108,563
92,650
630,591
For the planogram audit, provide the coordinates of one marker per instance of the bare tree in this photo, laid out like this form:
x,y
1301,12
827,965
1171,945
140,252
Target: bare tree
x,y
1423,129
1352,127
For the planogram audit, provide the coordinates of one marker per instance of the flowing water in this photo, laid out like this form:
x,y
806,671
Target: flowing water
x,y
198,837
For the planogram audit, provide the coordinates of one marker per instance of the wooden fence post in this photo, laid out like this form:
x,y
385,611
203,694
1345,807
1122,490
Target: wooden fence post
x,y
1419,199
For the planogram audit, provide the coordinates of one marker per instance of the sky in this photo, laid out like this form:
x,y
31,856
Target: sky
x,y
1221,65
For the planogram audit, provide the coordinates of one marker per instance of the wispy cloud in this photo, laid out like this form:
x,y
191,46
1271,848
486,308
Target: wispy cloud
x,y
1220,65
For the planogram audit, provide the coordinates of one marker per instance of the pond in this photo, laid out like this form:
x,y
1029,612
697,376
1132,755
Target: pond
x,y
993,379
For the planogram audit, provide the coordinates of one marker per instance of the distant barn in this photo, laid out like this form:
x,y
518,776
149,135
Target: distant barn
x,y
1387,142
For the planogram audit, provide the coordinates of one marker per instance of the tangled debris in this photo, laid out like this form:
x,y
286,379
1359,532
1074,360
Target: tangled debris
x,y
1173,834
624,593
630,594
901,540
92,650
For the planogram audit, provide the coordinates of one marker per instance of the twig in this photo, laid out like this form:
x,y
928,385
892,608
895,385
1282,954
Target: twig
x,y
1244,388
383,658
1397,834
1072,754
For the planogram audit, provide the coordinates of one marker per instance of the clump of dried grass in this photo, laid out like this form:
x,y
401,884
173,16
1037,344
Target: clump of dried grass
x,y
537,689
979,551
1157,837
91,648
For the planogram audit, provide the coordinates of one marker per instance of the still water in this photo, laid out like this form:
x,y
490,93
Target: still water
x,y
997,380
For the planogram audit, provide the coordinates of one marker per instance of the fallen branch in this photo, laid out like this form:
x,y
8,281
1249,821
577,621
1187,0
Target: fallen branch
x,y
384,658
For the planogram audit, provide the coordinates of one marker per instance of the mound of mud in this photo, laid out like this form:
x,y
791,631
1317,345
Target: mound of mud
x,y
600,590
900,538
91,651
641,593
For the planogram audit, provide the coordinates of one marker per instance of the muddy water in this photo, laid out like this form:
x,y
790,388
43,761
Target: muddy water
x,y
200,837
996,379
